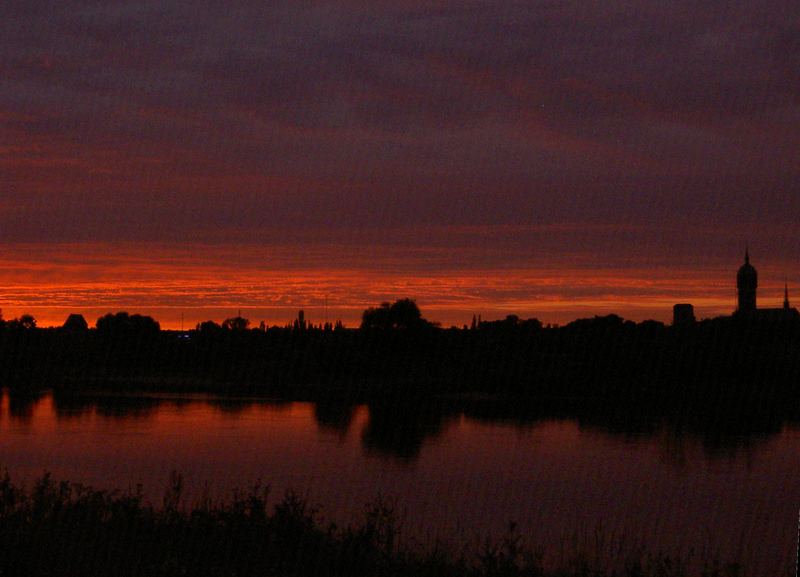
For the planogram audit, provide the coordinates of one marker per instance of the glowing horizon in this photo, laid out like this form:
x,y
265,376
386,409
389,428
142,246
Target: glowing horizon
x,y
272,284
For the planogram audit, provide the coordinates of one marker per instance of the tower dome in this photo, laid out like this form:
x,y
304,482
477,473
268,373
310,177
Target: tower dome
x,y
747,283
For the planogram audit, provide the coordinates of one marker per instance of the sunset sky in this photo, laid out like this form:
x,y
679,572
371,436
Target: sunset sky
x,y
549,159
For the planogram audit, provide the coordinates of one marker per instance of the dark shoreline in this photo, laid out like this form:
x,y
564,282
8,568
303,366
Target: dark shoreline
x,y
523,359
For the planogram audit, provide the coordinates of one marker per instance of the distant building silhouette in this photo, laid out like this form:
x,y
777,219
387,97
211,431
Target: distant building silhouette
x,y
683,314
76,323
747,285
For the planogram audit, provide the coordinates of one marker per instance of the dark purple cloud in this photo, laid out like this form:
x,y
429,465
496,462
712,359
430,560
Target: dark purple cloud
x,y
171,120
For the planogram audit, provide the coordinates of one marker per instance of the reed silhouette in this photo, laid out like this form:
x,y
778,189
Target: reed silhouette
x,y
61,528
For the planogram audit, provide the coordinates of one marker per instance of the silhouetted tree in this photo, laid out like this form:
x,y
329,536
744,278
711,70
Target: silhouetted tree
x,y
511,323
235,324
405,314
24,322
651,326
608,322
531,324
300,323
124,323
402,314
208,328
377,318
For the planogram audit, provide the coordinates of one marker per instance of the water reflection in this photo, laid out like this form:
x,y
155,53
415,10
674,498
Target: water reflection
x,y
67,407
630,426
21,405
334,415
236,406
400,430
728,436
70,406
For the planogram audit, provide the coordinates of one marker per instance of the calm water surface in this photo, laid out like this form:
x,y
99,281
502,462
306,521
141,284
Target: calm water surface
x,y
454,477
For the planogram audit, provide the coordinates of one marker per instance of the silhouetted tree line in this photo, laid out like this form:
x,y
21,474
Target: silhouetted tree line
x,y
403,314
397,354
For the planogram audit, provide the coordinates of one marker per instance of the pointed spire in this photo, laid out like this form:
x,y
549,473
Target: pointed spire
x,y
786,294
746,254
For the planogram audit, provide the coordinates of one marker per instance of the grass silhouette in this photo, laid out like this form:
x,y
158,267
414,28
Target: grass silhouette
x,y
61,528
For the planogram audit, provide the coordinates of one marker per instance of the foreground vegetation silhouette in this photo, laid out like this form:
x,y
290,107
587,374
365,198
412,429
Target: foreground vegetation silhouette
x,y
66,529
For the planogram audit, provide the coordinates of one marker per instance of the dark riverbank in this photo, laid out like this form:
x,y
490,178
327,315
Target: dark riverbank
x,y
58,528
723,362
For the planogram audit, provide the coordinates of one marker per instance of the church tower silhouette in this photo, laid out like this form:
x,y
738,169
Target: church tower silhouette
x,y
746,284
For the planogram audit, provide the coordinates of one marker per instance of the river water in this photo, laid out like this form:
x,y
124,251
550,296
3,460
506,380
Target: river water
x,y
454,476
